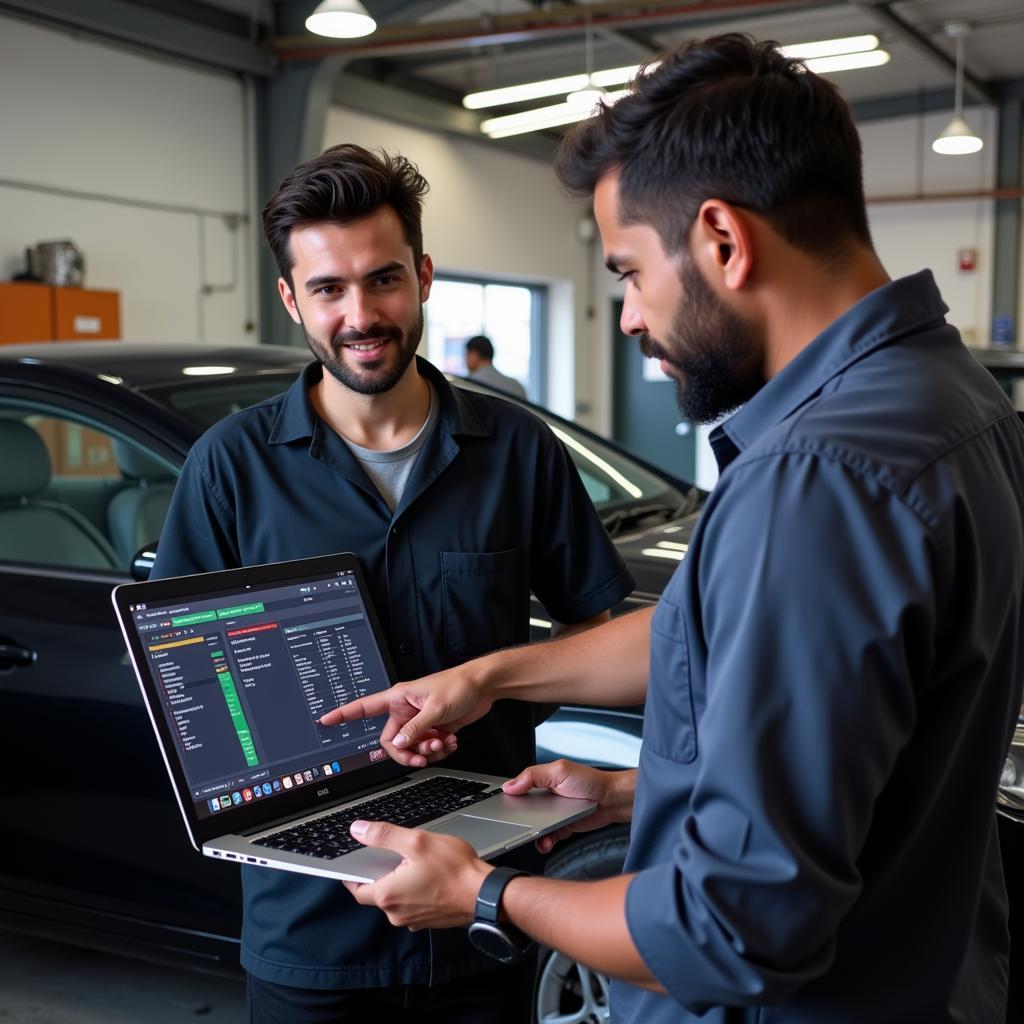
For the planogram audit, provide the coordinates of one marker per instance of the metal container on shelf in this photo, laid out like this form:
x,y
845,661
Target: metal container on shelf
x,y
59,263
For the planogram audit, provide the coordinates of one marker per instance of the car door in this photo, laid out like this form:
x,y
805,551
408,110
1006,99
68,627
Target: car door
x,y
91,838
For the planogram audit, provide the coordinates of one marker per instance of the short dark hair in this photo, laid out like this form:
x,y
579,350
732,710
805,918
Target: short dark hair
x,y
482,346
343,184
728,118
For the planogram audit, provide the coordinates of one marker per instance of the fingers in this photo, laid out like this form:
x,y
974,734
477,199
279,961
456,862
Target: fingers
x,y
372,706
541,776
384,835
416,728
433,748
439,743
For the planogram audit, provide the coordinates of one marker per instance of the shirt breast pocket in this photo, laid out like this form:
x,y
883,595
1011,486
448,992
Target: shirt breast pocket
x,y
482,601
669,725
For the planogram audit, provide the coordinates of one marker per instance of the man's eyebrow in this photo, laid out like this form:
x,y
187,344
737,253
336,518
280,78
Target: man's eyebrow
x,y
612,263
328,279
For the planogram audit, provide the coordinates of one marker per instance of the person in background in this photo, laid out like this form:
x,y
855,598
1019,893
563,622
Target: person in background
x,y
480,366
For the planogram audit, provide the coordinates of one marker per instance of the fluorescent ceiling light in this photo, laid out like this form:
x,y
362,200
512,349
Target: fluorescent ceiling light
x,y
585,99
847,62
531,120
618,76
341,19
824,56
529,91
543,117
830,47
551,87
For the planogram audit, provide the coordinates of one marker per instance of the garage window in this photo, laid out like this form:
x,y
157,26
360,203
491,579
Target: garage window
x,y
511,315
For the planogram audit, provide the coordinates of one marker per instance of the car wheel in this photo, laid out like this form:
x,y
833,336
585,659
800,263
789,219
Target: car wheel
x,y
568,992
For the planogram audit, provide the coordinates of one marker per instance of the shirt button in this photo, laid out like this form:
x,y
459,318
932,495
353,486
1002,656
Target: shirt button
x,y
394,531
405,647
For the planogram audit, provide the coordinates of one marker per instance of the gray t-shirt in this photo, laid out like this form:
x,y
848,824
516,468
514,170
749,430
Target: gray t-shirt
x,y
390,470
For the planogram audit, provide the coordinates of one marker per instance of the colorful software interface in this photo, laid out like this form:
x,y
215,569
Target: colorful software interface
x,y
245,677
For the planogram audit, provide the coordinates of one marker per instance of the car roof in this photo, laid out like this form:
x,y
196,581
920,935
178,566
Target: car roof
x,y
148,364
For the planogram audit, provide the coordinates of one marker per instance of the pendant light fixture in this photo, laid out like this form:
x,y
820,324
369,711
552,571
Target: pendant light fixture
x,y
957,137
341,19
586,99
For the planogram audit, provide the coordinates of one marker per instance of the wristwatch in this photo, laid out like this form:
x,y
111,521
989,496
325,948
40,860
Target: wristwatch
x,y
502,941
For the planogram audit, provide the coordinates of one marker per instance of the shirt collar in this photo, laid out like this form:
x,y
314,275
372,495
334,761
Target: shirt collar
x,y
905,306
297,419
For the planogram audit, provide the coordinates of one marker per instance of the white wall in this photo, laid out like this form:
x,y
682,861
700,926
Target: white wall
x,y
898,158
86,117
497,214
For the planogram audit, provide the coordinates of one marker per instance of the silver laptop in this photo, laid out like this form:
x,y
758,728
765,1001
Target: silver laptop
x,y
237,667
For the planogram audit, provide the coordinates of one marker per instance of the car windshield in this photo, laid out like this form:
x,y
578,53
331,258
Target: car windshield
x,y
624,492
205,401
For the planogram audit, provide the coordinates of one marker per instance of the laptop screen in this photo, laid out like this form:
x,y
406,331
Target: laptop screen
x,y
243,675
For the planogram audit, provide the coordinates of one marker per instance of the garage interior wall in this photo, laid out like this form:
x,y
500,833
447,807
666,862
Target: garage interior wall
x,y
494,214
89,118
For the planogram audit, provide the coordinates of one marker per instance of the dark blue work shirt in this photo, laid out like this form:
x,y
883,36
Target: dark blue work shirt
x,y
835,674
492,510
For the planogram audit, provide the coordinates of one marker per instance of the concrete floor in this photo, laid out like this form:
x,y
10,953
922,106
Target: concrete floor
x,y
49,983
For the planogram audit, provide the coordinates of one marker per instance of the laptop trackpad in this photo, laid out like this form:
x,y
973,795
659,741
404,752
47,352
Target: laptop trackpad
x,y
480,833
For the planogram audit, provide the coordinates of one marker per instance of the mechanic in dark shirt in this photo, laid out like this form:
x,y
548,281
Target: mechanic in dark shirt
x,y
458,504
834,669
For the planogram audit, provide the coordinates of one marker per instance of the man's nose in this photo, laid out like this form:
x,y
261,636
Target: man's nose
x,y
631,321
361,311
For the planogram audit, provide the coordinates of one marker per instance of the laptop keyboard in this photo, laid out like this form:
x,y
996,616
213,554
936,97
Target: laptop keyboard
x,y
328,837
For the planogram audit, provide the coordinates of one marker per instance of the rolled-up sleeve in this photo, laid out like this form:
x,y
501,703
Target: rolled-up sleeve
x,y
817,587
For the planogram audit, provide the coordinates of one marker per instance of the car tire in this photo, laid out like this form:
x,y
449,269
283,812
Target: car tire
x,y
566,990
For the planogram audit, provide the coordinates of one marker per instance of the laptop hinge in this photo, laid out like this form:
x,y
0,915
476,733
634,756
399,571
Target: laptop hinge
x,y
348,798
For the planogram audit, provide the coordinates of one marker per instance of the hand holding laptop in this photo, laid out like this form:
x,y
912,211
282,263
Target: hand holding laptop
x,y
436,884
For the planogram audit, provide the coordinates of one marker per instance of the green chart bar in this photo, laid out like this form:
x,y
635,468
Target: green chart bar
x,y
227,685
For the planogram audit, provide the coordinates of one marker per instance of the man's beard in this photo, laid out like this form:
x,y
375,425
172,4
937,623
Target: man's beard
x,y
716,354
370,378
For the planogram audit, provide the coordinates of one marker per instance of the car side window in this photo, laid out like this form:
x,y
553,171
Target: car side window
x,y
74,494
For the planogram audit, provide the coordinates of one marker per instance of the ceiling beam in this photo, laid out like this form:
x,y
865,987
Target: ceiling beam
x,y
150,30
884,16
560,20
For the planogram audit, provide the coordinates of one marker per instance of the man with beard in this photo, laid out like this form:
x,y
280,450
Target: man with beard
x,y
834,669
458,504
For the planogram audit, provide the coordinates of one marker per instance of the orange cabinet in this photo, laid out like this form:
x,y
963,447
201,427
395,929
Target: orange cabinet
x,y
26,312
42,312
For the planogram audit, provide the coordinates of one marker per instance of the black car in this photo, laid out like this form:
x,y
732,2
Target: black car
x,y
92,848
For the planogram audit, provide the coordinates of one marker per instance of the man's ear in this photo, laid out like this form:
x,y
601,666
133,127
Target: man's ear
x,y
723,244
288,298
426,277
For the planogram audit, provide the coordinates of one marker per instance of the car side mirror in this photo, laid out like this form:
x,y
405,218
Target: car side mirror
x,y
143,562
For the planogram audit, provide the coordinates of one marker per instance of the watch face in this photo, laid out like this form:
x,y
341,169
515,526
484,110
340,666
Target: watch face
x,y
490,939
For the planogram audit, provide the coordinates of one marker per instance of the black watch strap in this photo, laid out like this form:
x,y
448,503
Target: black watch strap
x,y
488,899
